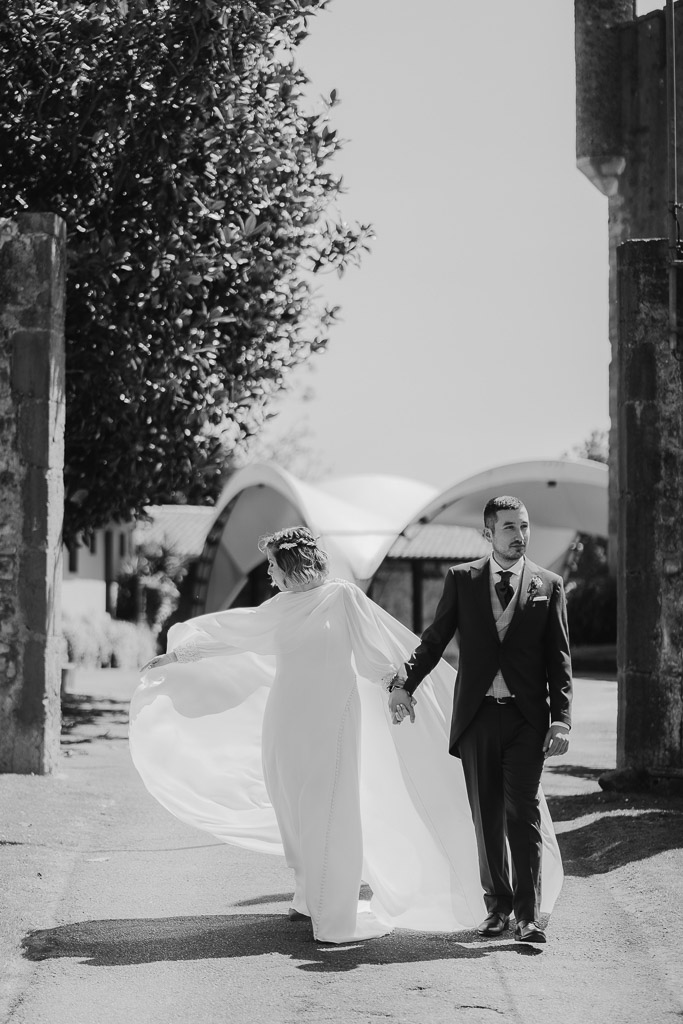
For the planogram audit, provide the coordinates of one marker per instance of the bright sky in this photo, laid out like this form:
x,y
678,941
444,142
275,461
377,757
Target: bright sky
x,y
475,332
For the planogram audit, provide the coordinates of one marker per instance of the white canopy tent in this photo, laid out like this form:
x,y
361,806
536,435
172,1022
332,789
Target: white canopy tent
x,y
358,518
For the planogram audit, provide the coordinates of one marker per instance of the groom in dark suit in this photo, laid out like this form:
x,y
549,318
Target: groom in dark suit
x,y
511,709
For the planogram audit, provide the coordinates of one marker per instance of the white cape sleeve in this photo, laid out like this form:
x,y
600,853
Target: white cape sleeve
x,y
195,726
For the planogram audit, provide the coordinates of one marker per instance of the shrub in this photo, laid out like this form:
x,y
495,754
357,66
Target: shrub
x,y
591,594
98,641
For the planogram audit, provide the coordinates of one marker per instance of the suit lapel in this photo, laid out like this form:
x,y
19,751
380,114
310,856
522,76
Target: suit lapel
x,y
527,572
479,574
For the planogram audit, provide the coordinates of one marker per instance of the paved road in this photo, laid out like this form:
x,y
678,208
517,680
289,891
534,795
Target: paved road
x,y
127,915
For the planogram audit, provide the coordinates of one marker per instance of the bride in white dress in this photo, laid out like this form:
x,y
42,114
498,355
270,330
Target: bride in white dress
x,y
269,728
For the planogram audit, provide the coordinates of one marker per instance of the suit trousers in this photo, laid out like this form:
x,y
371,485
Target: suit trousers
x,y
502,759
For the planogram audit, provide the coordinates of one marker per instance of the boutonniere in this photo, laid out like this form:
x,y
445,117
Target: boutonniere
x,y
535,584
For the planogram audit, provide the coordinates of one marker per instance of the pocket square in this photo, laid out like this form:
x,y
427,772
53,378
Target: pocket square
x,y
540,598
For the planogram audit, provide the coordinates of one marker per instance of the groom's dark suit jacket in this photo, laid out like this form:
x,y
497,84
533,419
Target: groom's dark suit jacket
x,y
533,657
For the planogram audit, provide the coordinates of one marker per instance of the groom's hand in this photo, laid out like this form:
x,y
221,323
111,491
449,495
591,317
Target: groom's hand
x,y
556,741
401,704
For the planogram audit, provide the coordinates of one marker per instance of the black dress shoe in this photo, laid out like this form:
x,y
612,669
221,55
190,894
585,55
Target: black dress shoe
x,y
495,924
529,931
294,915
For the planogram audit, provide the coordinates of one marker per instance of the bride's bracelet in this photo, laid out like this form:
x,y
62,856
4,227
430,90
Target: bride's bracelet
x,y
394,683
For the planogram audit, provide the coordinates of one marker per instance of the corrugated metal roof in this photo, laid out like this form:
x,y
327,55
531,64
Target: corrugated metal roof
x,y
436,541
182,528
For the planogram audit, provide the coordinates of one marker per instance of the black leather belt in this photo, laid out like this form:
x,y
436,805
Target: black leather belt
x,y
499,700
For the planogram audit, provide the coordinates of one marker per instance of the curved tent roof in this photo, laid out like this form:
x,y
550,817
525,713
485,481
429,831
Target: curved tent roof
x,y
562,496
357,519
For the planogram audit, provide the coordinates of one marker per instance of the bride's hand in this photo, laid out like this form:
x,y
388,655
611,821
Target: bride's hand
x,y
158,662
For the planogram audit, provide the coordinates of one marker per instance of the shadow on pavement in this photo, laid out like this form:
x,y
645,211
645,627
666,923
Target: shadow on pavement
x,y
257,901
85,719
142,941
599,832
576,771
364,893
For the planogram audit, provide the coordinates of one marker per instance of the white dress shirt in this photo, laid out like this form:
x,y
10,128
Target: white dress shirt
x,y
498,687
515,569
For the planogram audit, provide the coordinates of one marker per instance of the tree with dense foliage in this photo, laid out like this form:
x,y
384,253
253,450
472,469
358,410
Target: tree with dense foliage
x,y
591,591
171,136
595,447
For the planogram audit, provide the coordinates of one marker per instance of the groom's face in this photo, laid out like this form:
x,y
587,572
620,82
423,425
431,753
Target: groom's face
x,y
509,535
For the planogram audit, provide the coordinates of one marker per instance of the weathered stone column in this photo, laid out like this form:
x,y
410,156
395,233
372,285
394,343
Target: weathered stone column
x,y
650,526
32,270
622,136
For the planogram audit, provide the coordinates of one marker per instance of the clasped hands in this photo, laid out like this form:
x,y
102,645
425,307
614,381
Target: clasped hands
x,y
401,705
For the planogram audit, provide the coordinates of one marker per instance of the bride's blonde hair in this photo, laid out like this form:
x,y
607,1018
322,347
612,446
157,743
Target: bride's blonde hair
x,y
297,554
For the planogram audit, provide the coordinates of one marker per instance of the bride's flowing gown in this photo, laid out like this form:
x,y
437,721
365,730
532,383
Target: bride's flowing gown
x,y
280,740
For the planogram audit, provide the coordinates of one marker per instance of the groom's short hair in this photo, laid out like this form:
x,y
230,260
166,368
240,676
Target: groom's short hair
x,y
503,503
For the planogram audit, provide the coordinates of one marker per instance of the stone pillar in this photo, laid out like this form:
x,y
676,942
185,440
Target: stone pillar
x,y
32,285
650,527
622,145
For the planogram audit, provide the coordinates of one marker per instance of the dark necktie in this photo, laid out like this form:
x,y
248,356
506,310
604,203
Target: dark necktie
x,y
503,588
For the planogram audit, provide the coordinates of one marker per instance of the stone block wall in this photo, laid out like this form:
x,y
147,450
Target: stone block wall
x,y
650,563
622,146
32,414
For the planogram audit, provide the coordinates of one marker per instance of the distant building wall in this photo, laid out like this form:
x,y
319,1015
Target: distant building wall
x,y
410,590
92,567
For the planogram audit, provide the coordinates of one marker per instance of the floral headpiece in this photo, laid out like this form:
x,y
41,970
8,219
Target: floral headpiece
x,y
298,542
